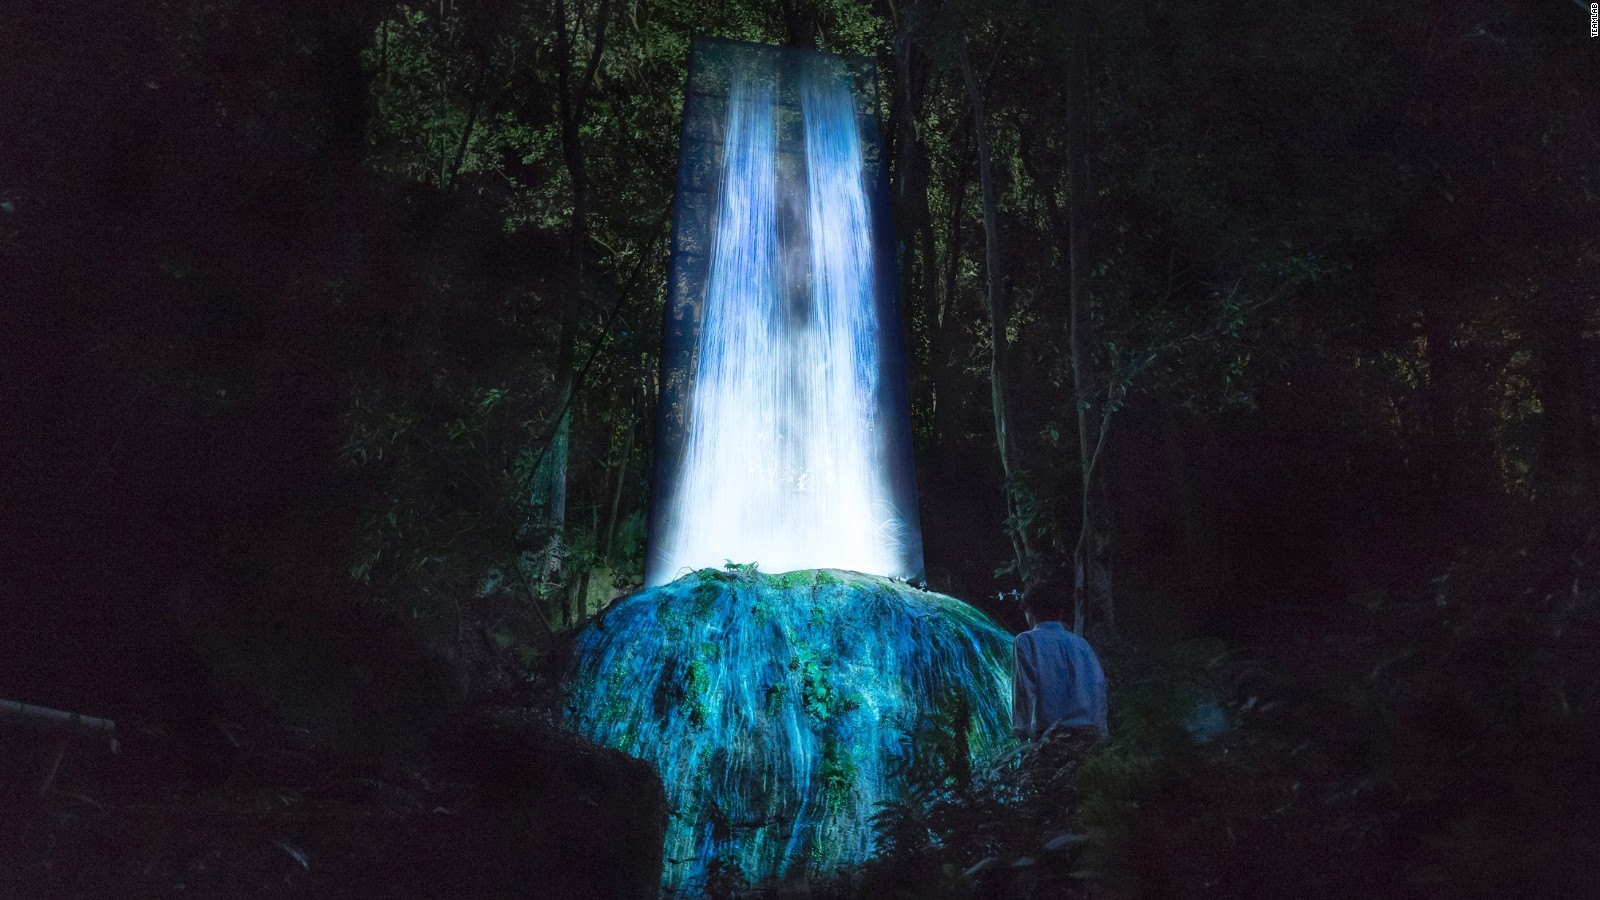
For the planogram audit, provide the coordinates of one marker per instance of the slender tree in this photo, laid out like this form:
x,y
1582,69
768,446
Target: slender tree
x,y
575,80
1077,198
999,314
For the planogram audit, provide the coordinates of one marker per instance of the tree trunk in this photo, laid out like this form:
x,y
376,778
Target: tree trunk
x,y
472,118
621,483
999,319
944,424
797,24
912,179
1077,196
572,100
479,80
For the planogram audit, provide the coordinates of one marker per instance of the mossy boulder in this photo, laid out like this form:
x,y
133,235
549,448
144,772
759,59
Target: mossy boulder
x,y
777,707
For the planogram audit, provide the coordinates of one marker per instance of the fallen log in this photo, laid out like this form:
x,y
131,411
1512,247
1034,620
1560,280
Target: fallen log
x,y
43,718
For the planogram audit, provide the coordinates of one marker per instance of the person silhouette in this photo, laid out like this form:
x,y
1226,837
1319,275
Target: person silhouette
x,y
1056,677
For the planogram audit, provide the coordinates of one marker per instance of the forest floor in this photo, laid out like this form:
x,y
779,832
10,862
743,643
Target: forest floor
x,y
260,810
255,811
1430,742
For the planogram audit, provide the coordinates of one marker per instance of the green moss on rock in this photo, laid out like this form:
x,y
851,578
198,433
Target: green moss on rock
x,y
775,706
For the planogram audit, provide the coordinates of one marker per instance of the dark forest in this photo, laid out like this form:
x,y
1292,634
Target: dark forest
x,y
1267,333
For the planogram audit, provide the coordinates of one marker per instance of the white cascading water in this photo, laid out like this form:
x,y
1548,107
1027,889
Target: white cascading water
x,y
785,462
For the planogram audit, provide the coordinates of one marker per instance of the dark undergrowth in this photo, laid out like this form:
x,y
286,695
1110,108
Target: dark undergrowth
x,y
1421,743
1428,743
388,784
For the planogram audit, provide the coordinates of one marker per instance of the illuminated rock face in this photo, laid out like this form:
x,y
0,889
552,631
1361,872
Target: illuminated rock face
x,y
776,706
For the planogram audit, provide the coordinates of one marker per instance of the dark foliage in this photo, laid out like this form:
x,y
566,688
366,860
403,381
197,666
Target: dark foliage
x,y
327,373
1429,745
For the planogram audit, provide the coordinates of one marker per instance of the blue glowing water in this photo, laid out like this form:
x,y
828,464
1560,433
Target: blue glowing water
x,y
785,459
776,706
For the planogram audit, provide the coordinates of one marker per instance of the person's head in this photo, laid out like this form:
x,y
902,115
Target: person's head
x,y
1042,602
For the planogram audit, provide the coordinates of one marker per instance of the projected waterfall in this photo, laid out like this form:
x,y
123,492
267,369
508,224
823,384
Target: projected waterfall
x,y
784,439
769,671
